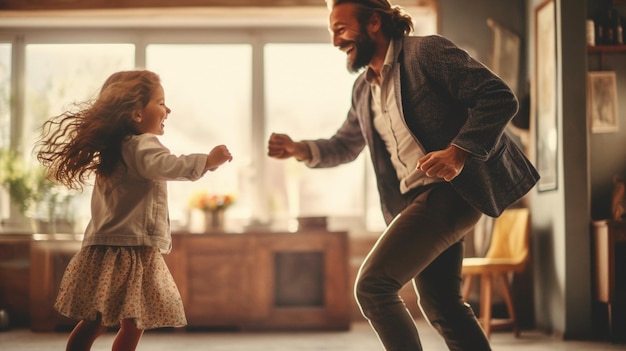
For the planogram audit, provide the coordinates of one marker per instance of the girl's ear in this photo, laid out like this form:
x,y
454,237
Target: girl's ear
x,y
137,117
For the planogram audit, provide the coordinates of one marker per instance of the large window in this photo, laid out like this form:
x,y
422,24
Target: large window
x,y
232,86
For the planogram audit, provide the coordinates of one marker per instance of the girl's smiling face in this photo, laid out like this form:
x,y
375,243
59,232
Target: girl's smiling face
x,y
150,119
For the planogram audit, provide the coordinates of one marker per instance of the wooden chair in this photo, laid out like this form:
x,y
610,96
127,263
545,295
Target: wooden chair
x,y
507,254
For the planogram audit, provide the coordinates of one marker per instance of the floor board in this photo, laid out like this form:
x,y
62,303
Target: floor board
x,y
359,338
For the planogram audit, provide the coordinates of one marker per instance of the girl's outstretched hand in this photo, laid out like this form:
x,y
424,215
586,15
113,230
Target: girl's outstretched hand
x,y
218,156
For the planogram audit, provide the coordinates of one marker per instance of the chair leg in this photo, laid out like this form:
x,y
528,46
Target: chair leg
x,y
485,302
509,303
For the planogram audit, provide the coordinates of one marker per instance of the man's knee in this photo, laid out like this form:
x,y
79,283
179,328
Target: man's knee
x,y
444,309
371,290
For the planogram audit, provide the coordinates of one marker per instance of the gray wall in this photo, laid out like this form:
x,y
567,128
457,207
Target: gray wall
x,y
465,23
561,258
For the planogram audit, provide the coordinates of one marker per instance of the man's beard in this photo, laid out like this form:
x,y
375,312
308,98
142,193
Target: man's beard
x,y
364,48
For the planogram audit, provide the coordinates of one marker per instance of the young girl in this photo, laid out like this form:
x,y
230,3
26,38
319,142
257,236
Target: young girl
x,y
119,276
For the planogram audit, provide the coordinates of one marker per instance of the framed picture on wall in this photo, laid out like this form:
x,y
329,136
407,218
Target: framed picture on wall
x,y
544,87
602,101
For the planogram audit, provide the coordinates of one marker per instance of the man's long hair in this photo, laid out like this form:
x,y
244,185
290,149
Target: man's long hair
x,y
396,22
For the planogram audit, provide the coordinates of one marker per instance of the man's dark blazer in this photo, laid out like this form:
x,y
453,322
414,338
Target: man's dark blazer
x,y
447,98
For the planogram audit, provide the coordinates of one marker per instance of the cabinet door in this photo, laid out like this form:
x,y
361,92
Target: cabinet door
x,y
301,282
609,242
217,281
48,262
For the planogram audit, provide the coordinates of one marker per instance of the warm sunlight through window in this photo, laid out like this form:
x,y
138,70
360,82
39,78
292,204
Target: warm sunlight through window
x,y
209,89
5,94
58,75
308,92
5,115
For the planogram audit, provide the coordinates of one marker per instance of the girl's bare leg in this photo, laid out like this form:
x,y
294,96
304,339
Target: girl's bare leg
x,y
127,337
84,334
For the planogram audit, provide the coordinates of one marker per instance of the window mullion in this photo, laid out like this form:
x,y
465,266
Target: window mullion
x,y
258,161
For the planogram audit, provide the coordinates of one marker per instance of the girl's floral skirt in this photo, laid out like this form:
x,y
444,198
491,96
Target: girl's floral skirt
x,y
115,283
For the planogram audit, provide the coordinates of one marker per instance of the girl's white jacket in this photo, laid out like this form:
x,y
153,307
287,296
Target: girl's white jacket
x,y
130,208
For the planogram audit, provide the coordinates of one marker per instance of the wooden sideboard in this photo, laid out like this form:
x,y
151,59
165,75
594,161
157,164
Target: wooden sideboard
x,y
239,281
49,255
14,278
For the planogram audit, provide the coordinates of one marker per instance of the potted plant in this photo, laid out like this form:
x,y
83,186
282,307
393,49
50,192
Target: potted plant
x,y
32,194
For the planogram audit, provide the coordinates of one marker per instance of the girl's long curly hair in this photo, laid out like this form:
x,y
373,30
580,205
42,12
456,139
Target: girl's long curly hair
x,y
87,139
395,21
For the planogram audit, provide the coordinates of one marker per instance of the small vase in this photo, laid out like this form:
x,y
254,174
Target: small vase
x,y
214,220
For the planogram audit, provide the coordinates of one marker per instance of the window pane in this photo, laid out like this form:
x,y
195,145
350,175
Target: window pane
x,y
5,116
308,92
5,93
208,88
58,75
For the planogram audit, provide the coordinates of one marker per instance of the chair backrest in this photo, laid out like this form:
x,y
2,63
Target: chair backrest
x,y
510,237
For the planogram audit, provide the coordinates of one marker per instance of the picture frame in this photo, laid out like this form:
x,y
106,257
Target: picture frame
x,y
602,101
545,97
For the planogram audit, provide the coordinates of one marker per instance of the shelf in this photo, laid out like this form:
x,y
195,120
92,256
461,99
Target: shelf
x,y
606,49
602,50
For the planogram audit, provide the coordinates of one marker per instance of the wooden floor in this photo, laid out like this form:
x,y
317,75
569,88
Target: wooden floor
x,y
359,338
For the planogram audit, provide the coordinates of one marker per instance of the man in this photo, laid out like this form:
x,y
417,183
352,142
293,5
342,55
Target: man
x,y
434,120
